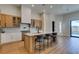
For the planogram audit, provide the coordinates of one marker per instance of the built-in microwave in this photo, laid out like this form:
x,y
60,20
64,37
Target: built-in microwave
x,y
25,27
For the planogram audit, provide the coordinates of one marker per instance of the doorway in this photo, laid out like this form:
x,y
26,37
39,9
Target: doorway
x,y
53,26
74,28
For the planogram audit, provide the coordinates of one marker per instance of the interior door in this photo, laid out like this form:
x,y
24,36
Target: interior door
x,y
53,26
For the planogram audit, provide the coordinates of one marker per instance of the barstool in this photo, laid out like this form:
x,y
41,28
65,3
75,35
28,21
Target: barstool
x,y
47,37
39,39
54,36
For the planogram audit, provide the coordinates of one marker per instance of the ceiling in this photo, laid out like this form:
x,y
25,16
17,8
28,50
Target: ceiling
x,y
17,5
56,9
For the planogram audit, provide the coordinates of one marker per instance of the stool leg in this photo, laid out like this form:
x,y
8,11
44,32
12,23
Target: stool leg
x,y
39,47
54,39
43,45
51,41
35,47
47,42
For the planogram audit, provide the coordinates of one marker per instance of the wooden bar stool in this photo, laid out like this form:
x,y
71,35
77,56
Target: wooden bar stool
x,y
40,40
47,37
54,36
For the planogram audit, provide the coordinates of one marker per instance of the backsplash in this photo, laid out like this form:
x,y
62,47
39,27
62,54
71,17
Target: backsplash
x,y
11,30
33,30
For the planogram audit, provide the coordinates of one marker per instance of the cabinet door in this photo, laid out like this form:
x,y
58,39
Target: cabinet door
x,y
9,21
0,21
18,21
14,21
5,38
3,23
38,23
14,37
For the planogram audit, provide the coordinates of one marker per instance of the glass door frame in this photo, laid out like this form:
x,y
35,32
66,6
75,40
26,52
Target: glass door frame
x,y
71,28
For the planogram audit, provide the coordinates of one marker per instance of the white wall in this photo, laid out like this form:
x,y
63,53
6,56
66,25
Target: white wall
x,y
10,9
66,22
62,23
11,30
25,14
35,15
58,24
48,22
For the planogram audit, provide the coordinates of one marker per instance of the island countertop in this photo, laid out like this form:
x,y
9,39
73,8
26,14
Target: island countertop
x,y
34,34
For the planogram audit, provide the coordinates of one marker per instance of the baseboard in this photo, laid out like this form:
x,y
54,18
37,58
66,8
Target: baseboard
x,y
62,36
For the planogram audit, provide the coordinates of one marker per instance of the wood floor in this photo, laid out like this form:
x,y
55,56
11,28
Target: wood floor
x,y
63,45
13,48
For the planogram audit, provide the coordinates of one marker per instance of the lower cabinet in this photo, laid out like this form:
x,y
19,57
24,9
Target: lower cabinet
x,y
4,38
10,37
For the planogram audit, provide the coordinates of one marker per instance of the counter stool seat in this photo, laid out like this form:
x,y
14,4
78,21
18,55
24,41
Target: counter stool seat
x,y
54,36
47,37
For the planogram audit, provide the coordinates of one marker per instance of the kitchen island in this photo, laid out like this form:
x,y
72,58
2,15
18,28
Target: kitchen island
x,y
29,41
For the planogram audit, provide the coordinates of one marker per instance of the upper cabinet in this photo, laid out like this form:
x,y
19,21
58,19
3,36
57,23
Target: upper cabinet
x,y
36,23
16,21
26,14
9,21
2,20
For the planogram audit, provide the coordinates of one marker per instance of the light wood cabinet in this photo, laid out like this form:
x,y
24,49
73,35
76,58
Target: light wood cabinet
x,y
37,23
16,21
29,42
2,21
9,21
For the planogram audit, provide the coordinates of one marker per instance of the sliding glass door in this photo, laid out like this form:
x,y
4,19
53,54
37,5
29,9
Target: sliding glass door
x,y
74,28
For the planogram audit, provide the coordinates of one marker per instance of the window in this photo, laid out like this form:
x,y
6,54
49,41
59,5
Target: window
x,y
75,28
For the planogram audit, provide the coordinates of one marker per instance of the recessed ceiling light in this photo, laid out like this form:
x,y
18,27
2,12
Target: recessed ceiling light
x,y
51,6
33,5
